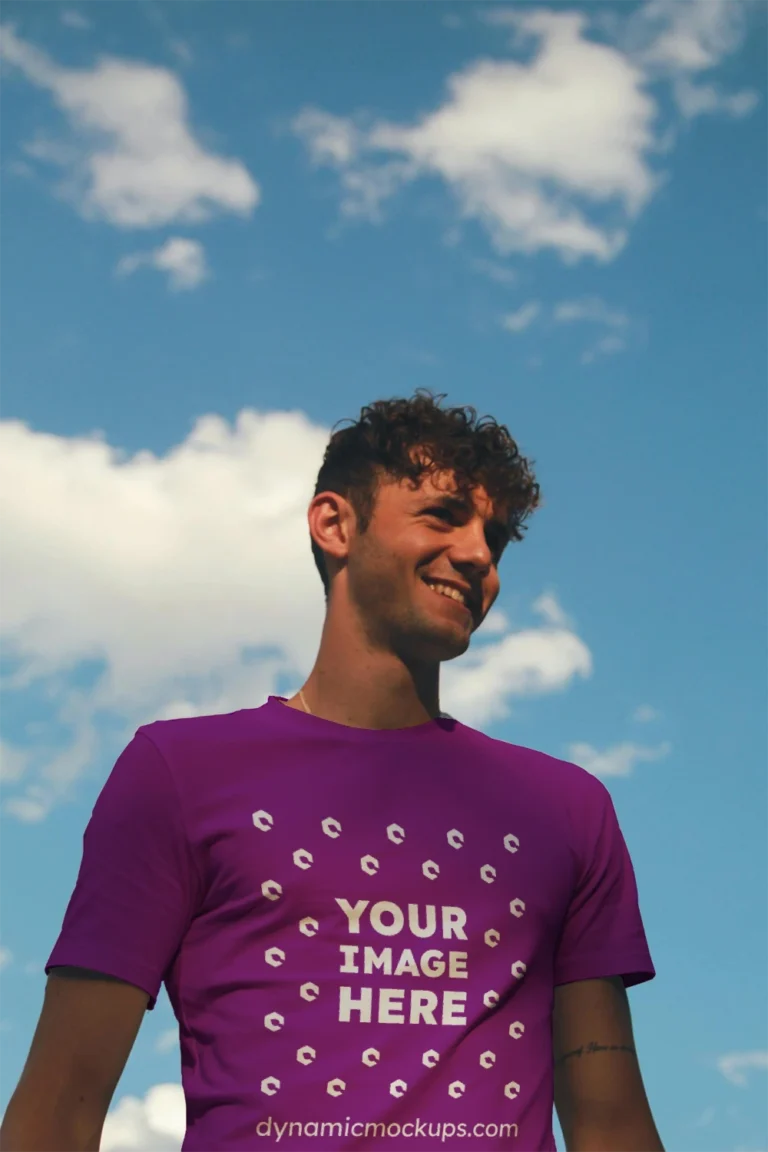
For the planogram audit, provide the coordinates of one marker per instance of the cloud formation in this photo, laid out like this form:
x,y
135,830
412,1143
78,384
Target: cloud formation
x,y
522,317
735,1065
553,148
132,158
184,583
71,18
157,1121
677,40
183,260
618,760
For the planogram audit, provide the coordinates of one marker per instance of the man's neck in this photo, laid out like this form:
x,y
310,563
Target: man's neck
x,y
357,708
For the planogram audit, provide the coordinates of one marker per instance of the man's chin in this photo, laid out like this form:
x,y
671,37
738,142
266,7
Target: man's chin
x,y
439,645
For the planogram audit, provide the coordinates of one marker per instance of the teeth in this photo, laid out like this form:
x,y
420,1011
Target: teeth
x,y
446,590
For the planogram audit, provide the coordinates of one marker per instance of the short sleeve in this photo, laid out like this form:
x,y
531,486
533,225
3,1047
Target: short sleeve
x,y
138,887
603,933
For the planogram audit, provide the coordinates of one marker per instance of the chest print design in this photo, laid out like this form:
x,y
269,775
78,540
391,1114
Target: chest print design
x,y
397,1006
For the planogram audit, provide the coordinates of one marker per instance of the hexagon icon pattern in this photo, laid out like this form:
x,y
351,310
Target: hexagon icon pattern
x,y
492,937
306,1054
395,833
490,998
512,1089
430,869
274,1021
487,1059
302,858
271,889
516,1030
519,969
270,1085
262,820
456,1089
309,991
511,843
517,907
274,956
371,1057
335,1087
309,926
488,873
430,1058
331,827
397,1088
455,838
369,865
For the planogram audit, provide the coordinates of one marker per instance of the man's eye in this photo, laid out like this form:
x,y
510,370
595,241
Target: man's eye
x,y
445,513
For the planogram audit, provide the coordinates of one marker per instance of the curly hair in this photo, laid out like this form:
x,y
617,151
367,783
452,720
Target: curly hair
x,y
382,442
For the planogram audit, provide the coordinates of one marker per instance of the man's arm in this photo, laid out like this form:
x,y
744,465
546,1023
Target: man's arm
x,y
87,1028
599,1091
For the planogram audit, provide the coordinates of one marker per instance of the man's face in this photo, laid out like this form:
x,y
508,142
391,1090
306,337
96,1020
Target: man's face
x,y
417,538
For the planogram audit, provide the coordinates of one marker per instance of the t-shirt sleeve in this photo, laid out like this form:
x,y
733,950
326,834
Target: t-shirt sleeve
x,y
603,933
138,886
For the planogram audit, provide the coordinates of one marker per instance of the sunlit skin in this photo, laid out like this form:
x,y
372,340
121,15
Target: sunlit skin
x,y
385,632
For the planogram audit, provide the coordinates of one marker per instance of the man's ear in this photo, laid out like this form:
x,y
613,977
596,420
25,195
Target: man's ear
x,y
332,523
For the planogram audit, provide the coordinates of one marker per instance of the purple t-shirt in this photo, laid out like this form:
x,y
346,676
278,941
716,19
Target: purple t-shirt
x,y
360,932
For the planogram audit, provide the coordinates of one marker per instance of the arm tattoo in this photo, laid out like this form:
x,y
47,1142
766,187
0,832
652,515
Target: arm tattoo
x,y
593,1046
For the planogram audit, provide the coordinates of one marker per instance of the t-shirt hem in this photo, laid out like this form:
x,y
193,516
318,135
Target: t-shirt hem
x,y
62,958
634,969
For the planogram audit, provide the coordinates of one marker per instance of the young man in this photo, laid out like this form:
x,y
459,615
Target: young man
x,y
378,928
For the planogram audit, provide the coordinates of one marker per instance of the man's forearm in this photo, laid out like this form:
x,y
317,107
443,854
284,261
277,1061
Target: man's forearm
x,y
624,1136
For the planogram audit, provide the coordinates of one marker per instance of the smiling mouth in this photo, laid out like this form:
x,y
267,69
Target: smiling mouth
x,y
454,600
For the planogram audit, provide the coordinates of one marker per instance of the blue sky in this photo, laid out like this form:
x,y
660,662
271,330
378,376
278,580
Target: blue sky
x,y
228,226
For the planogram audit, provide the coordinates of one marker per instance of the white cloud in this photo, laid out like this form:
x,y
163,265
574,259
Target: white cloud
x,y
329,139
167,1041
337,142
605,346
183,260
495,622
678,39
531,662
619,760
552,148
12,762
593,310
735,1065
696,99
73,19
181,50
528,149
548,606
499,273
186,581
590,309
133,159
6,956
521,319
686,36
157,1122
644,714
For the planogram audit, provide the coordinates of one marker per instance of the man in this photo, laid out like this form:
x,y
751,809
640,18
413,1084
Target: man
x,y
378,928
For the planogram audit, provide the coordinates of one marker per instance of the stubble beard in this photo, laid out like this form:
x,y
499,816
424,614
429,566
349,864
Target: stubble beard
x,y
397,619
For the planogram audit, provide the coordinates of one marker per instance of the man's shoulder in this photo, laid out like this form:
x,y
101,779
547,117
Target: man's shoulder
x,y
553,771
201,731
